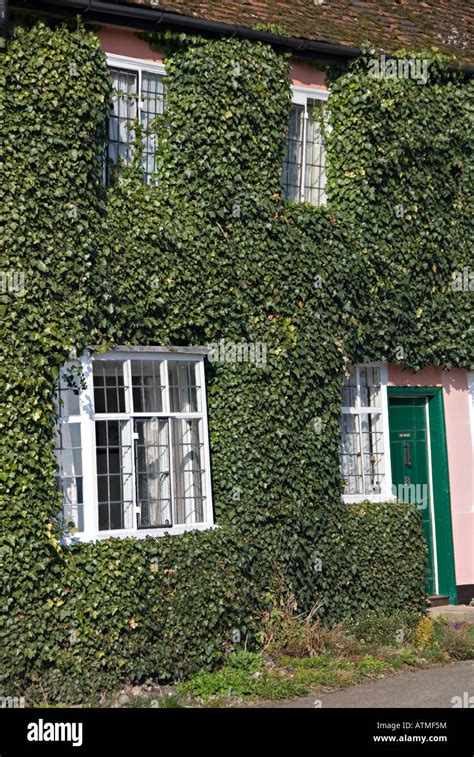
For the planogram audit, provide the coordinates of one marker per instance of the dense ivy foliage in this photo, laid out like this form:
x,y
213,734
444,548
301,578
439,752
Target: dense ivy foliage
x,y
212,252
401,176
54,95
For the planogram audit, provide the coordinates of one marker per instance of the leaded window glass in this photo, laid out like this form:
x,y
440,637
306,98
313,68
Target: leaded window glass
x,y
362,432
147,461
304,168
136,95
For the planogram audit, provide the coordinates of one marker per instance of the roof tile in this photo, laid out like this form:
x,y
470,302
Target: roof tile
x,y
387,24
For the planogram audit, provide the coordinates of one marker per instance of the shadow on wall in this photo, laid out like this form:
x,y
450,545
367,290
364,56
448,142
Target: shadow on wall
x,y
455,380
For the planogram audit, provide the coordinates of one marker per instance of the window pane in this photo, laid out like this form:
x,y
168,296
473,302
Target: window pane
x,y
349,391
293,163
153,94
315,179
109,387
370,387
373,452
68,389
147,386
185,394
351,459
152,460
188,470
123,113
114,474
69,477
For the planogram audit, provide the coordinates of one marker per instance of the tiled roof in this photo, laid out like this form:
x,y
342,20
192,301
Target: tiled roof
x,y
388,24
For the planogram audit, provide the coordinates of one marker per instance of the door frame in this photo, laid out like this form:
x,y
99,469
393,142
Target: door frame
x,y
440,516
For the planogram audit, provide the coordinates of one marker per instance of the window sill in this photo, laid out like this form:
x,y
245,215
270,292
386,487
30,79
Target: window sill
x,y
136,534
353,499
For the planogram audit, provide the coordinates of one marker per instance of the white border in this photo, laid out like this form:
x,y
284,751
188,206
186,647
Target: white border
x,y
301,94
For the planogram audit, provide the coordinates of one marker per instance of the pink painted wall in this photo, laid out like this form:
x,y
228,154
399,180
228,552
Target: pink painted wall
x,y
304,75
126,42
398,376
461,470
460,443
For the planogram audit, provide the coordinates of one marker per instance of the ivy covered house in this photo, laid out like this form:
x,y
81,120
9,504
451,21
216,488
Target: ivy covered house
x,y
237,286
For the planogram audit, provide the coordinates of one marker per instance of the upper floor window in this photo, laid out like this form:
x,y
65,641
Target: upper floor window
x,y
365,466
304,168
132,443
138,94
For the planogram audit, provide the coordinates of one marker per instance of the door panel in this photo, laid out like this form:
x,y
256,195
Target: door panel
x,y
410,468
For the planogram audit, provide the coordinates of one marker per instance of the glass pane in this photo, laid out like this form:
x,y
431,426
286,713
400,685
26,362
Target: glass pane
x,y
147,386
370,387
114,474
315,179
293,163
153,97
349,391
69,476
68,390
152,459
373,452
185,395
351,459
188,470
109,386
123,113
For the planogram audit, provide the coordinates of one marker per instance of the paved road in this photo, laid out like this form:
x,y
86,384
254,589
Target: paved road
x,y
434,687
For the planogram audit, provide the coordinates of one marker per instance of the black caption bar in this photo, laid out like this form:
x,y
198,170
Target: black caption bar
x,y
138,731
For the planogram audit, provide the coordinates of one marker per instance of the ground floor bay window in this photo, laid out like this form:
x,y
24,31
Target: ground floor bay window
x,y
132,443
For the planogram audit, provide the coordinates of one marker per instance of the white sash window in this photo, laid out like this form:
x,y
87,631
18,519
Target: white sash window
x,y
304,168
138,92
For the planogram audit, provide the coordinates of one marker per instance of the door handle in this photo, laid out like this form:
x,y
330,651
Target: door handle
x,y
407,454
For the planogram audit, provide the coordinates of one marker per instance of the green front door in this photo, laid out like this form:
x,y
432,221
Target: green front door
x,y
410,464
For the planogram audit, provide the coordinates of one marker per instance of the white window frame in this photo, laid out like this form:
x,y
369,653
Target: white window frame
x,y
300,96
66,419
386,494
137,66
87,419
